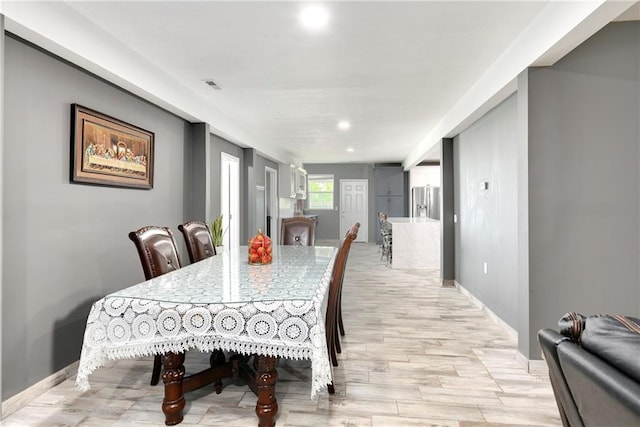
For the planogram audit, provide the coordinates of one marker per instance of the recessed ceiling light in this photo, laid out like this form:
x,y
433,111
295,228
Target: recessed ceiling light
x,y
344,125
314,17
350,150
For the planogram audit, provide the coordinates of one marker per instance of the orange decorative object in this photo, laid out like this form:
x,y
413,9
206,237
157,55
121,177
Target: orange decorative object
x,y
260,249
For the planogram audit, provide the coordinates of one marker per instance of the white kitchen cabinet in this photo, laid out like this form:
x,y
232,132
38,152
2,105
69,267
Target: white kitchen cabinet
x,y
293,182
301,183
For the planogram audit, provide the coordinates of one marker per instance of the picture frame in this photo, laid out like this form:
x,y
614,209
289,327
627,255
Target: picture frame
x,y
108,151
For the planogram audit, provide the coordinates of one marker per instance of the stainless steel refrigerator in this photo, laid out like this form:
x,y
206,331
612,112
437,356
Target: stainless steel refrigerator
x,y
425,202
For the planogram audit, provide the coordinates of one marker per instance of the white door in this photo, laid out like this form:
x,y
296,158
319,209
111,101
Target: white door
x,y
354,207
230,199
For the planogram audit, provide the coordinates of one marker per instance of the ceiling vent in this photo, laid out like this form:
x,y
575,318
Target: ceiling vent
x,y
213,84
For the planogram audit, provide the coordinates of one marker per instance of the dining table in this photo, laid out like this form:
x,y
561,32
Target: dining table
x,y
223,305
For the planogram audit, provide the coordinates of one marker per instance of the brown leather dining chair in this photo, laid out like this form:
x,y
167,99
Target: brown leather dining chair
x,y
353,230
197,237
298,231
331,319
158,255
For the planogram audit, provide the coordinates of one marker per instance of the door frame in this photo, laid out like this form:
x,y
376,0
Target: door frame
x,y
271,199
230,199
362,237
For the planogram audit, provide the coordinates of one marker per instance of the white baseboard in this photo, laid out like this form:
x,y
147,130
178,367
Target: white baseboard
x,y
23,398
508,329
534,367
448,283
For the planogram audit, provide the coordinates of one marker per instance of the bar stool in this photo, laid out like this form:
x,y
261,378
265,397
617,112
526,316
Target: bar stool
x,y
387,240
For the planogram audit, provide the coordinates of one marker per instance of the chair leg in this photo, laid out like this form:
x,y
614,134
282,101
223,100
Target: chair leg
x,y
334,356
337,340
332,344
331,389
340,324
157,367
339,328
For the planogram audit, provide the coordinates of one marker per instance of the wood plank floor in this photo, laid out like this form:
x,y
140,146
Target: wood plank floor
x,y
415,354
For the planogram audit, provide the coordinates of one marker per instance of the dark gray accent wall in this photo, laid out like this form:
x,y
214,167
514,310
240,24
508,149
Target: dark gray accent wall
x,y
447,231
65,245
486,230
584,180
522,161
329,221
248,191
197,184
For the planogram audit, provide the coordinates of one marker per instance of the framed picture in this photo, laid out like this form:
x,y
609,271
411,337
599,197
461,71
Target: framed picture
x,y
108,151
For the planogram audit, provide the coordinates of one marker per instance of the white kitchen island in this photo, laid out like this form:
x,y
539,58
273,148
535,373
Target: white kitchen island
x,y
416,243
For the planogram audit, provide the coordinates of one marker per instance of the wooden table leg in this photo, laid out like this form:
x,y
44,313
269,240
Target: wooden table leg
x,y
266,378
172,374
217,358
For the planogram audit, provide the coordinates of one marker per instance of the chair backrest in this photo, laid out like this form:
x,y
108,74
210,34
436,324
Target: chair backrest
x,y
298,231
197,237
337,277
351,236
157,250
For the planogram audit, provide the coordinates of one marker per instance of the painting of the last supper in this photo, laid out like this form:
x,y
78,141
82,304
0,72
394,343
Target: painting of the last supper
x,y
107,151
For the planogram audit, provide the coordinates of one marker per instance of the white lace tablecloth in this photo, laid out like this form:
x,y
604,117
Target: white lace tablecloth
x,y
220,303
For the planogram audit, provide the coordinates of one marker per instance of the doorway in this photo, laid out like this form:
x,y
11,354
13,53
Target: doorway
x,y
354,207
230,199
261,216
271,200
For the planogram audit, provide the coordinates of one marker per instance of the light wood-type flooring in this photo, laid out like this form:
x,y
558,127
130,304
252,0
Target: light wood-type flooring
x,y
415,354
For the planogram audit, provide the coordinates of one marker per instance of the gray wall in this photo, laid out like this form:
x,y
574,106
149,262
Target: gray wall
x,y
249,159
196,165
560,224
255,175
584,171
447,208
261,164
65,245
486,230
260,179
218,146
329,221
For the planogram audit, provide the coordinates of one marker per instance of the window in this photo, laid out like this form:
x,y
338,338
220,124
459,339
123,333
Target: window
x,y
320,191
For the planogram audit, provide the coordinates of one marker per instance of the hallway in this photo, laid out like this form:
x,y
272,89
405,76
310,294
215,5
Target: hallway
x,y
415,354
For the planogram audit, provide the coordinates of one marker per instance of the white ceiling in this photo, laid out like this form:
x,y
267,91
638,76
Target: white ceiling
x,y
405,74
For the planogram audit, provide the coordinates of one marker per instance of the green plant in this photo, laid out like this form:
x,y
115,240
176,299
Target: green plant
x,y
216,231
